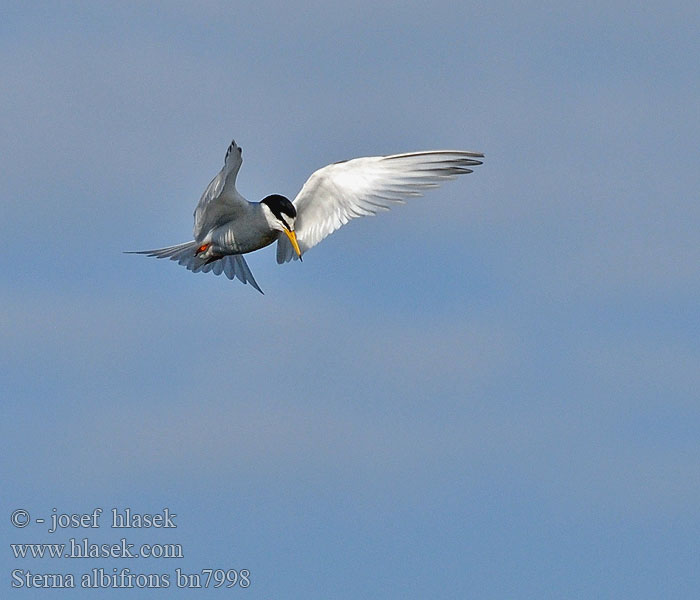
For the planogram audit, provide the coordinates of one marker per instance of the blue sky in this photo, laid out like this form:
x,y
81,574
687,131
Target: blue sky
x,y
490,392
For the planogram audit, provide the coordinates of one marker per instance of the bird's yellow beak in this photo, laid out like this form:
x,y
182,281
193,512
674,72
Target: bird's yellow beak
x,y
293,238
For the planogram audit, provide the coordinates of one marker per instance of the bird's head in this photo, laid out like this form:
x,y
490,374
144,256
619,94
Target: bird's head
x,y
281,215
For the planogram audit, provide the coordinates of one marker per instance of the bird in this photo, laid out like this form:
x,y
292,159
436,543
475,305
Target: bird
x,y
227,226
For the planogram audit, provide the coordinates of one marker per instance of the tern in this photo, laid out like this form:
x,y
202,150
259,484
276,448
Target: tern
x,y
226,225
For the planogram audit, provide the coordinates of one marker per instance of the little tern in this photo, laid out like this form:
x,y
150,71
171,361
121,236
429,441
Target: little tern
x,y
226,225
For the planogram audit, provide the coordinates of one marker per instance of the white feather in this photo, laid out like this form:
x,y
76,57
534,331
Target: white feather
x,y
342,191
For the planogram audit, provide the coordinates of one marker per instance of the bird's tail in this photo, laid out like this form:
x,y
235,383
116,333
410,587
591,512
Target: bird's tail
x,y
232,265
180,252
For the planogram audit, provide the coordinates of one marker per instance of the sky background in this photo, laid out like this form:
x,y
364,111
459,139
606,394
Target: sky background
x,y
490,392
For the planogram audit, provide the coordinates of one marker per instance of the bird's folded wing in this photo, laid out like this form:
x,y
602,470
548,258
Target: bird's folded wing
x,y
342,191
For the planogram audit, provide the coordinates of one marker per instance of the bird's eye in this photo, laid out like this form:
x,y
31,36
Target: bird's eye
x,y
202,248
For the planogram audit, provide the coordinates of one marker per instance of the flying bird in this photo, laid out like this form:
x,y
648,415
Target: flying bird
x,y
227,226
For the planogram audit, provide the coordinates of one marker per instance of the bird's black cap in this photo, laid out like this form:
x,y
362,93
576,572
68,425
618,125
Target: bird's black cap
x,y
279,205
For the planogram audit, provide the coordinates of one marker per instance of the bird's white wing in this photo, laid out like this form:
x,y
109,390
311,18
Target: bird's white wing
x,y
220,201
363,186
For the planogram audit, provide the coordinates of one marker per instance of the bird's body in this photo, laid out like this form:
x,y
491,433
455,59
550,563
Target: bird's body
x,y
246,231
226,225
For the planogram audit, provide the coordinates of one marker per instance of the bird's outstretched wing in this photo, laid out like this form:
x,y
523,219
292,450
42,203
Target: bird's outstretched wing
x,y
363,186
232,265
220,201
